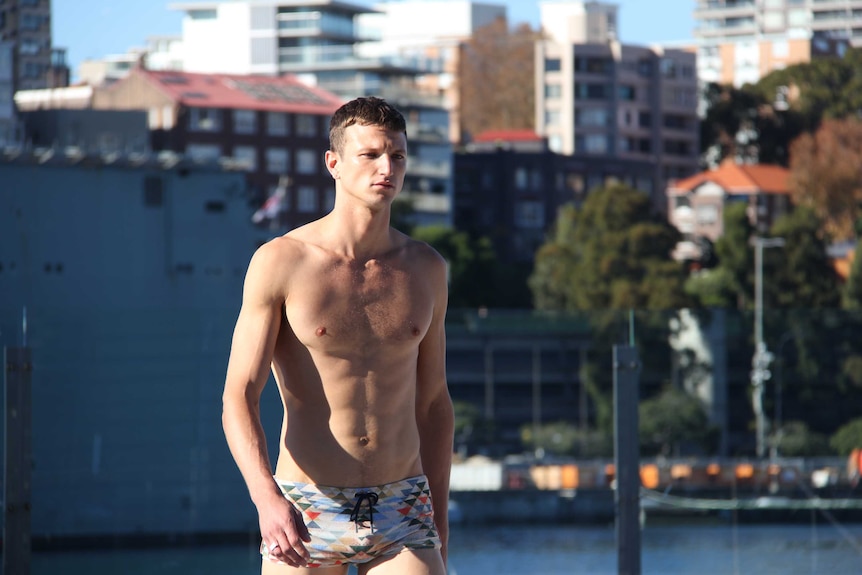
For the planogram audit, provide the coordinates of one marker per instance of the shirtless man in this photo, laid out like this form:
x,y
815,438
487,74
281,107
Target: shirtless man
x,y
348,313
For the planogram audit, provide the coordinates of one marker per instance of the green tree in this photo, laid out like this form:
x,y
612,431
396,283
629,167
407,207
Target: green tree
x,y
797,440
799,273
611,253
731,282
557,438
744,124
402,213
819,89
847,438
758,121
852,293
671,418
472,265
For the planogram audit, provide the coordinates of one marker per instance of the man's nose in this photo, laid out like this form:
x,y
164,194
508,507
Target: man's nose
x,y
384,164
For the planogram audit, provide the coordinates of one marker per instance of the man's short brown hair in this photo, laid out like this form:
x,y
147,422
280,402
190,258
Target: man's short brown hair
x,y
369,111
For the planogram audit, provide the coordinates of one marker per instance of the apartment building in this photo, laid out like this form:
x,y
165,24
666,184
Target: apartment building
x,y
321,42
509,188
696,204
740,41
273,128
27,59
429,32
596,96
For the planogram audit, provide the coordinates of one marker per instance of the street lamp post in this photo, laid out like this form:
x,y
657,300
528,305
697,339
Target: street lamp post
x,y
762,357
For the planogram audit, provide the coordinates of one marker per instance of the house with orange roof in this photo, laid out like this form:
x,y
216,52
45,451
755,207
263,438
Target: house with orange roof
x,y
276,128
696,204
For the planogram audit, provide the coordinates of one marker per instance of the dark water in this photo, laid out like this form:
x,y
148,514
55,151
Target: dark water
x,y
683,549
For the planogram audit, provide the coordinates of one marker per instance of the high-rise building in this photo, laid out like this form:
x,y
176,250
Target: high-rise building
x,y
27,59
322,43
431,32
740,41
597,96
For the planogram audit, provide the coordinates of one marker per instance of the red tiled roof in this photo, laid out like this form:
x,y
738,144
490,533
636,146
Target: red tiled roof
x,y
508,136
739,179
246,92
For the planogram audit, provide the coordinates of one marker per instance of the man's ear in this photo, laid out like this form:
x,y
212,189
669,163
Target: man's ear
x,y
331,160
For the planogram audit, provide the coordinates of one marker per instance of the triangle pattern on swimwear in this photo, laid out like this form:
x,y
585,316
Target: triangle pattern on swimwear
x,y
401,518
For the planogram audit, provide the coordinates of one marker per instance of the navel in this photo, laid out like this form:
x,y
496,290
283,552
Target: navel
x,y
363,441
321,331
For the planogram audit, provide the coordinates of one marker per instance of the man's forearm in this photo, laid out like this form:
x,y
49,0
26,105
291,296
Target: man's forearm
x,y
247,442
437,436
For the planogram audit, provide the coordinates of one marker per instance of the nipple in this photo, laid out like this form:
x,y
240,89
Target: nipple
x,y
416,331
321,331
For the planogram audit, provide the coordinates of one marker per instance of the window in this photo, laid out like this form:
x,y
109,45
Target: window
x,y
593,65
552,65
29,47
675,122
204,120
592,143
627,93
306,200
591,117
203,152
276,124
202,14
773,20
553,91
798,18
244,121
536,179
552,117
668,68
706,214
247,155
521,179
277,160
584,91
306,125
306,162
530,215
645,68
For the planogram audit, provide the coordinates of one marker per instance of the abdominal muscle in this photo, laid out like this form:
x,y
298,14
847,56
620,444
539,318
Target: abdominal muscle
x,y
351,431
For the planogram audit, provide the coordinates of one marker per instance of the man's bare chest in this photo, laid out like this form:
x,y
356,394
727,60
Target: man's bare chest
x,y
371,305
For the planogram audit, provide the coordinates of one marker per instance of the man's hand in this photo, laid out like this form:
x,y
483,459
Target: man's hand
x,y
283,532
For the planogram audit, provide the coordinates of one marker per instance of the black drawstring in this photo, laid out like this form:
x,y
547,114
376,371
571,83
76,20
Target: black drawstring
x,y
371,499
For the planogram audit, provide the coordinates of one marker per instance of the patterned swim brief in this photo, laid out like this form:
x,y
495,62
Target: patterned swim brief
x,y
358,524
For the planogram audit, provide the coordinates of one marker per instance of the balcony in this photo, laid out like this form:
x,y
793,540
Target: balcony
x,y
315,58
316,24
725,10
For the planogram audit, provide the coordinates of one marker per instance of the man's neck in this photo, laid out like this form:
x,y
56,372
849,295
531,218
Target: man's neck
x,y
359,233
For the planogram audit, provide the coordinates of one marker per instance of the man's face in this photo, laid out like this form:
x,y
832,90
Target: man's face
x,y
371,165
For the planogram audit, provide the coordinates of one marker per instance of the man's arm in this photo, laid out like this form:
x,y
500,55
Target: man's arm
x,y
248,370
434,414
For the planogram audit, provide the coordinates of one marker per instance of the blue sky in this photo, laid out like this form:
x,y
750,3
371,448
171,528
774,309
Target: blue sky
x,y
92,29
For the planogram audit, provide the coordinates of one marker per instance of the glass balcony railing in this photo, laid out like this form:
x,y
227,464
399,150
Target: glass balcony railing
x,y
347,55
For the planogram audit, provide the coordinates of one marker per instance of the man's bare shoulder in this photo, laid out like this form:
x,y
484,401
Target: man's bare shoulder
x,y
281,249
424,255
277,259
